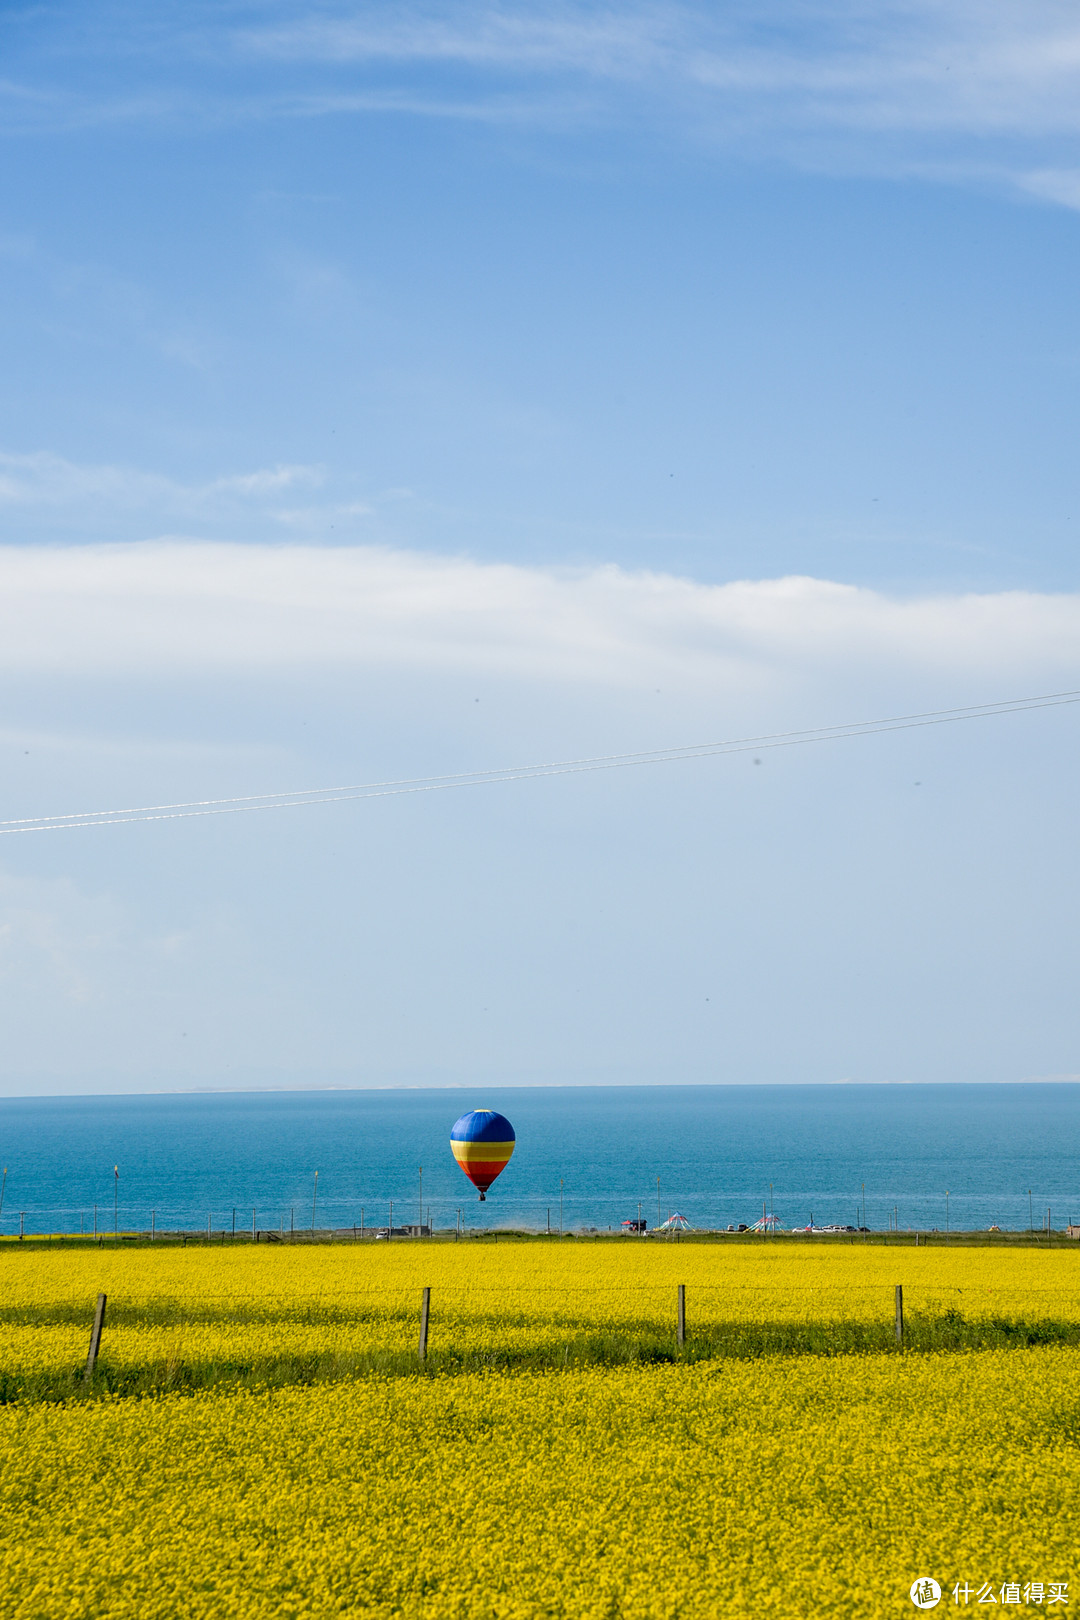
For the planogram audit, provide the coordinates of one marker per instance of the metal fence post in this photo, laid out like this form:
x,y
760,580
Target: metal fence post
x,y
95,1338
425,1306
899,1314
682,1313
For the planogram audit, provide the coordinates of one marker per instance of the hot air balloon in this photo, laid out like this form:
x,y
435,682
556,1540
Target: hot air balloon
x,y
482,1143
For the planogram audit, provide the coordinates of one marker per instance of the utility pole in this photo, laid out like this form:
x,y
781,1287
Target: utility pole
x,y
420,1231
314,1201
658,1200
560,1206
1031,1216
116,1200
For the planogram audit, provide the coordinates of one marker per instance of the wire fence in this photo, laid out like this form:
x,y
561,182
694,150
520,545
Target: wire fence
x,y
142,1341
347,1315
680,1311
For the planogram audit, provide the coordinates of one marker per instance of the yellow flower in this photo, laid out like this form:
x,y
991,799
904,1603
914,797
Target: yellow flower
x,y
804,1485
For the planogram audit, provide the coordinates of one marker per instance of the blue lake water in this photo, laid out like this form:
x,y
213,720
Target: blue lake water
x,y
720,1153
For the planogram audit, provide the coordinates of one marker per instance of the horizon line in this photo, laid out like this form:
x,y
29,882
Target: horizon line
x,y
520,1085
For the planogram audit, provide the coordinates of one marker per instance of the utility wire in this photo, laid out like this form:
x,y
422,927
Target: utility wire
x,y
295,798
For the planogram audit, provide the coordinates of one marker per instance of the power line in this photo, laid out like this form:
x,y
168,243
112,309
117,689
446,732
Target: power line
x,y
296,798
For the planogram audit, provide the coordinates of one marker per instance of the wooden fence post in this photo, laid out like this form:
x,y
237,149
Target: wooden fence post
x,y
899,1314
425,1305
95,1338
682,1313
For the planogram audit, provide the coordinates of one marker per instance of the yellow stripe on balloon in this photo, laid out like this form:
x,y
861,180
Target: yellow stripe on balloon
x,y
488,1152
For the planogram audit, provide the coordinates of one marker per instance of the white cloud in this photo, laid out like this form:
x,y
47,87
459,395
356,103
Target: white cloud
x,y
847,887
266,481
175,606
42,479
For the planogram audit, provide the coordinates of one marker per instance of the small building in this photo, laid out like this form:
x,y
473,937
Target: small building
x,y
1072,1231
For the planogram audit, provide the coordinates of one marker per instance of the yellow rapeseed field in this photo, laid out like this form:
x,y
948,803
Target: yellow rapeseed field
x,y
227,1305
798,1485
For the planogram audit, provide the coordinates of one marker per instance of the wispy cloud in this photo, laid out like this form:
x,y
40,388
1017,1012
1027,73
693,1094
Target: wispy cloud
x,y
599,41
1054,185
43,479
942,86
951,67
45,495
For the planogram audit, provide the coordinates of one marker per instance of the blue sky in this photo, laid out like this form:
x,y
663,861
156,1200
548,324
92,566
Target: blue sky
x,y
391,390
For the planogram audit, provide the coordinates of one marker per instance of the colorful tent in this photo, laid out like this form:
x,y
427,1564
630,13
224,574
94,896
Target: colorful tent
x,y
766,1223
674,1223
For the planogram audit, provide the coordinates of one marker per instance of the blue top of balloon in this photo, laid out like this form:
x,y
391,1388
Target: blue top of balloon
x,y
483,1125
